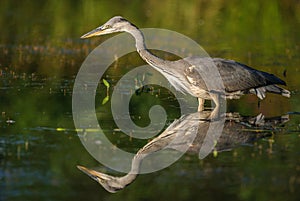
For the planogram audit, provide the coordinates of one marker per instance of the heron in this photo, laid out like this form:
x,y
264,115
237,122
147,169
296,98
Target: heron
x,y
237,78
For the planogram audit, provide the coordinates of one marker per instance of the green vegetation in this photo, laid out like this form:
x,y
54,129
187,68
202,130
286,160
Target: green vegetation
x,y
106,99
261,33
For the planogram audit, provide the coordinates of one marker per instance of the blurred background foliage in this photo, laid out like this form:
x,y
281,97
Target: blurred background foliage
x,y
35,33
44,37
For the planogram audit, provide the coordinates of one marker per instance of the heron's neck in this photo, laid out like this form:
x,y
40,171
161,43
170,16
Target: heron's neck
x,y
142,49
122,182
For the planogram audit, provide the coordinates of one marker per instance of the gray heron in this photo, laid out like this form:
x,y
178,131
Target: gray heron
x,y
238,78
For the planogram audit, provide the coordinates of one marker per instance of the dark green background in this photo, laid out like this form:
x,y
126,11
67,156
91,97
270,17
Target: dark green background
x,y
40,54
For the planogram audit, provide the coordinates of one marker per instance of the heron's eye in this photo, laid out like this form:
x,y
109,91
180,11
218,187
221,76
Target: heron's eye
x,y
107,26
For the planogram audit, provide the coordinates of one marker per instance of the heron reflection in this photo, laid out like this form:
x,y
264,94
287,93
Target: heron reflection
x,y
237,130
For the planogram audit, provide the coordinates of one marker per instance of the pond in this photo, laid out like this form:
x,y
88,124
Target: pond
x,y
256,157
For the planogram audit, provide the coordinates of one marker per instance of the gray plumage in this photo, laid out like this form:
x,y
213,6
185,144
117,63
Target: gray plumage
x,y
238,79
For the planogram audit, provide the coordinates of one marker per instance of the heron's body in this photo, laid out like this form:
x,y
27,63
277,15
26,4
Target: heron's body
x,y
237,79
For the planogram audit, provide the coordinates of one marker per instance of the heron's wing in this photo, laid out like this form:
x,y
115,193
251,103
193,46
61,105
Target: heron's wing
x,y
237,76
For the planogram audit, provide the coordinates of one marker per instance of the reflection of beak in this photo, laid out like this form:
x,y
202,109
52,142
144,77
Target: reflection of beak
x,y
92,173
96,32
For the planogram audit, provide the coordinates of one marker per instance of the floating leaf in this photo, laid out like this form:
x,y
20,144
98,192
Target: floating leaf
x,y
215,153
61,129
106,83
105,100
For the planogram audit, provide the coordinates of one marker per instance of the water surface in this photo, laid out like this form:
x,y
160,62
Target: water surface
x,y
41,53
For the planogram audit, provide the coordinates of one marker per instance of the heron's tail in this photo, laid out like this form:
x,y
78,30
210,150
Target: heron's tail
x,y
278,90
261,91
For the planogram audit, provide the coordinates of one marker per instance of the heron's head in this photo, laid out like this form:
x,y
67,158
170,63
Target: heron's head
x,y
110,183
115,24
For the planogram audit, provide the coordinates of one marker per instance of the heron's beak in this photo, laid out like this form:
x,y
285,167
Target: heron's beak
x,y
96,32
93,174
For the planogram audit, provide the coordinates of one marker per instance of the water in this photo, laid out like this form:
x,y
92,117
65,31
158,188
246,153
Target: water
x,y
41,53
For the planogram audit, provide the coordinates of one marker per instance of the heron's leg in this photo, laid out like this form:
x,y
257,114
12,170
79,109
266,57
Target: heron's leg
x,y
215,114
201,104
220,104
215,97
